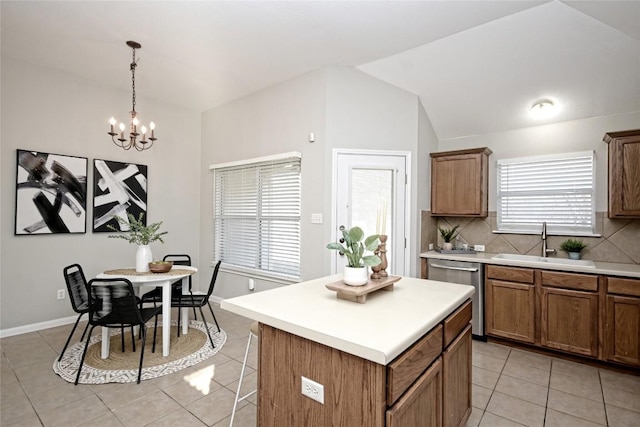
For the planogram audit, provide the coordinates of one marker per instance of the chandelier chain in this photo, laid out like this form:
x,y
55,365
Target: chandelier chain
x,y
133,80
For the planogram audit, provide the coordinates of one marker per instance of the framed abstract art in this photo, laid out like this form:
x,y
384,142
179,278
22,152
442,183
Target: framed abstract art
x,y
51,193
119,189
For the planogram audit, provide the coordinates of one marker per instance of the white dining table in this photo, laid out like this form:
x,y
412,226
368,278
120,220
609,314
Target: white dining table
x,y
163,280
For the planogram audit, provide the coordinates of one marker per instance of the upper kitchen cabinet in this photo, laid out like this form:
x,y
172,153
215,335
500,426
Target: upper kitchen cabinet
x,y
459,182
624,173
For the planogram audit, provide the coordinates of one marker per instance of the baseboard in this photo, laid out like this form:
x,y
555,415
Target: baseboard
x,y
34,327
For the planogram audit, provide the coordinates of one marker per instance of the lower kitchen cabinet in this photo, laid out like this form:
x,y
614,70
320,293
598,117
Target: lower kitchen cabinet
x,y
456,367
510,305
569,321
622,326
421,405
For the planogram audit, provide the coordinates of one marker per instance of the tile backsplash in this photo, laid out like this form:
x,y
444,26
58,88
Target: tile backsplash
x,y
620,241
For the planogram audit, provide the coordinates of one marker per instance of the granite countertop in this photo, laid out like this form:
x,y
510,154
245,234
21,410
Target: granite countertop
x,y
607,268
378,330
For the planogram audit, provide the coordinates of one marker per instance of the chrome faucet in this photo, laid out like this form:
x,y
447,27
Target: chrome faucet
x,y
545,251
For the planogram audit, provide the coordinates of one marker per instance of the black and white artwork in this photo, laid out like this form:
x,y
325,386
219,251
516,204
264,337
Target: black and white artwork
x,y
51,193
119,189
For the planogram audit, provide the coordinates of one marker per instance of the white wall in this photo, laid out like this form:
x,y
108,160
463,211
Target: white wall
x,y
45,110
578,135
275,120
344,107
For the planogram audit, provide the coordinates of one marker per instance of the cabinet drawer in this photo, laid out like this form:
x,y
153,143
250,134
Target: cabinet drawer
x,y
617,285
511,274
456,322
407,367
579,282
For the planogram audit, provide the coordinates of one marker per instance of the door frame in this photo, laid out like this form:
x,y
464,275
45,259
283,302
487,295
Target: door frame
x,y
407,200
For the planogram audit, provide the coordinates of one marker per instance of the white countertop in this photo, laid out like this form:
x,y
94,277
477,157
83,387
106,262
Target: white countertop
x,y
378,330
607,268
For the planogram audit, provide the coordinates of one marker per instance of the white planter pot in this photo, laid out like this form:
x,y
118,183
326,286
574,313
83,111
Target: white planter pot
x,y
447,246
143,258
574,255
356,276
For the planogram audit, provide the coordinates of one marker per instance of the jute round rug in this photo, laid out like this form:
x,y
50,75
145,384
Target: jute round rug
x,y
122,367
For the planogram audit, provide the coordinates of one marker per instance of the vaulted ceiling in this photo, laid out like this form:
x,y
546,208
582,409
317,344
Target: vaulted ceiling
x,y
477,66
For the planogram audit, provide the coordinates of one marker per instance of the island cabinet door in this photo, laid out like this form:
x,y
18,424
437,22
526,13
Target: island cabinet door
x,y
456,373
421,405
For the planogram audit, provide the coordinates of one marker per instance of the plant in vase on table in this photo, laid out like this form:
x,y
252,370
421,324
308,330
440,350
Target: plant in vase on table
x,y
448,234
573,247
141,235
356,272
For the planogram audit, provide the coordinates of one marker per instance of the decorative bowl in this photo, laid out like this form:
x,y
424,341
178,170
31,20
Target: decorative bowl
x,y
160,266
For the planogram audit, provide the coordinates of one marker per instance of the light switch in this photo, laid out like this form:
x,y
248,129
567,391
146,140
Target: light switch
x,y
316,218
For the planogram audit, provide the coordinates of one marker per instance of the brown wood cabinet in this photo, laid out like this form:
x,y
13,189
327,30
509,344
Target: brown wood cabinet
x,y
569,321
622,325
583,314
422,404
456,368
510,303
569,312
409,391
459,182
624,173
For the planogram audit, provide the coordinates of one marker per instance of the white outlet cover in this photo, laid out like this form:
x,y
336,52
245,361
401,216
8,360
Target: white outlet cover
x,y
312,390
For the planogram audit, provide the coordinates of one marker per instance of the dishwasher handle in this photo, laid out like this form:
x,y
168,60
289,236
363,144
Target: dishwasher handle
x,y
449,267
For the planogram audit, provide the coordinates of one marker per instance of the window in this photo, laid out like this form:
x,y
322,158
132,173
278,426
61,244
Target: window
x,y
256,216
558,189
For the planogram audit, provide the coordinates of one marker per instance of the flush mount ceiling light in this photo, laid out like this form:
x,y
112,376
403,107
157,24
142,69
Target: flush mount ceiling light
x,y
543,108
132,141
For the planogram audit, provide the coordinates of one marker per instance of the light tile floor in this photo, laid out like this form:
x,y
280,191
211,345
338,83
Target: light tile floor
x,y
510,388
513,387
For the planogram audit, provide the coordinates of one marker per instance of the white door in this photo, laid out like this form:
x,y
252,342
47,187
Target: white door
x,y
370,192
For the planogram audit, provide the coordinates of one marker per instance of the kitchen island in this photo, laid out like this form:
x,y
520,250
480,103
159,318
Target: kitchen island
x,y
402,358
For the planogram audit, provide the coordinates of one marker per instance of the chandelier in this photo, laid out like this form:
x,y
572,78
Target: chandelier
x,y
134,132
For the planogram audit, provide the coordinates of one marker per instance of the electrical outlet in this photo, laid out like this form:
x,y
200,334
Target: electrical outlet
x,y
478,248
313,390
60,293
430,246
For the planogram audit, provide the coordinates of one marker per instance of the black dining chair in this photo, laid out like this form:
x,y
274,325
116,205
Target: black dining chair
x,y
155,296
77,290
113,304
199,300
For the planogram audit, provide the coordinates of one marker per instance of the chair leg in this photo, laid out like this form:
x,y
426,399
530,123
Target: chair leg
x,y
122,337
143,328
214,316
155,332
238,398
206,327
179,321
133,339
70,335
84,353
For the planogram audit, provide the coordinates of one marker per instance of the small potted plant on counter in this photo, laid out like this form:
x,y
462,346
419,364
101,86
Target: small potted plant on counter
x,y
448,234
141,235
351,245
573,247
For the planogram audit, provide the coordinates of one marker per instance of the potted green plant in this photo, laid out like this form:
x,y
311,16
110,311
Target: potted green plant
x,y
353,247
448,234
141,235
573,247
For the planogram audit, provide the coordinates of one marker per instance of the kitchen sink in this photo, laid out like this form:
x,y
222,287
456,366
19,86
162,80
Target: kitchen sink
x,y
546,261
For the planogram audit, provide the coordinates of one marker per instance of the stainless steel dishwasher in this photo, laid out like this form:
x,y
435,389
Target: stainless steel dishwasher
x,y
464,273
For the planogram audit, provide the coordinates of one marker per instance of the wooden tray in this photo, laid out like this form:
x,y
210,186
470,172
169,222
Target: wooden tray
x,y
359,293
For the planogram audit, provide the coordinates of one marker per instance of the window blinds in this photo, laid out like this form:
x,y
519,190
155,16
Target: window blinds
x,y
256,217
558,189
